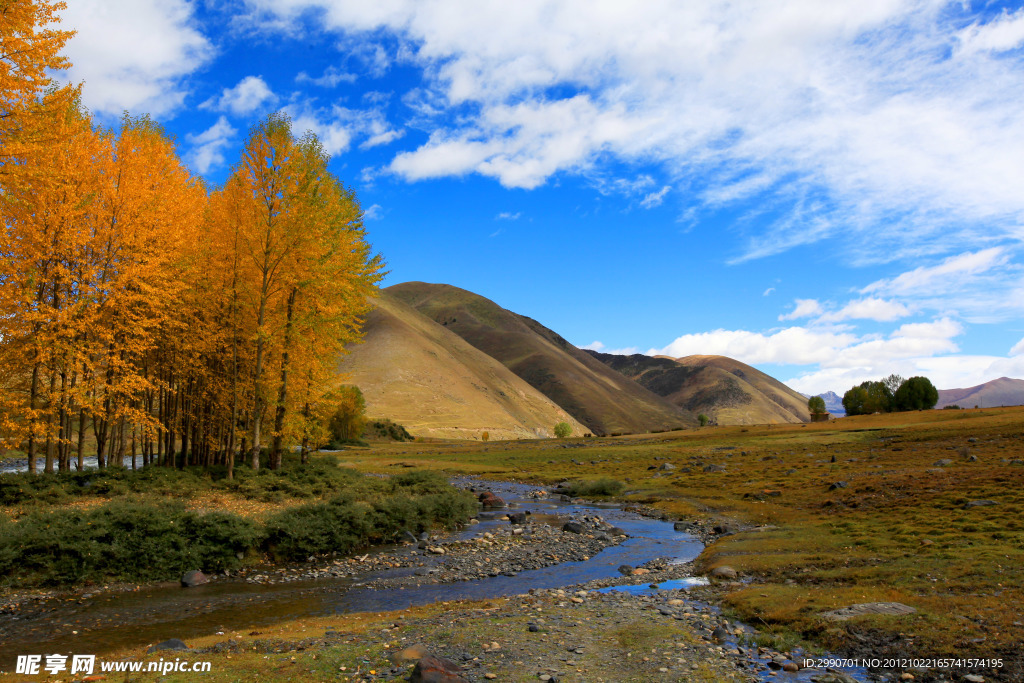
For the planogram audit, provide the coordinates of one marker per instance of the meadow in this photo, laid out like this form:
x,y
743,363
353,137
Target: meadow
x,y
922,508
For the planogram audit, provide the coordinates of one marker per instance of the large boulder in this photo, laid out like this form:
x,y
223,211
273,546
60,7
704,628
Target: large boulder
x,y
193,578
489,500
724,572
413,653
431,669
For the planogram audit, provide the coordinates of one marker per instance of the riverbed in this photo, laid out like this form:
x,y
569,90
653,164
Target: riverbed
x,y
106,621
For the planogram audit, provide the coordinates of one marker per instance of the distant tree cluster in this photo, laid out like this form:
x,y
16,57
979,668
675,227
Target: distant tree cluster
x,y
816,404
892,394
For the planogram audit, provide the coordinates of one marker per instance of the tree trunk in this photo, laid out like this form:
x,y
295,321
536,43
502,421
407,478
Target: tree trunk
x,y
33,393
282,394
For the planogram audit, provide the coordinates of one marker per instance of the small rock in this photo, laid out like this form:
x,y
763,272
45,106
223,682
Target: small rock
x,y
573,527
169,644
490,677
974,678
625,570
193,578
944,462
683,526
791,667
838,485
724,572
980,503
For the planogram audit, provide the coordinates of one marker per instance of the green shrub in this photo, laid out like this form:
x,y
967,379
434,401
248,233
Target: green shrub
x,y
597,487
127,540
386,429
562,430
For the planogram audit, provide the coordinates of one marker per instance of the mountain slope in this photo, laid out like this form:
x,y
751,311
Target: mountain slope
x,y
998,392
600,398
430,380
727,391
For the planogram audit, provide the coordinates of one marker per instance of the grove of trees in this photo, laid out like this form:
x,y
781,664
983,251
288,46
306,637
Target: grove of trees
x,y
891,394
177,322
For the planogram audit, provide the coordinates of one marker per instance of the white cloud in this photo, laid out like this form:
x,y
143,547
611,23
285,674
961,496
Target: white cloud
x,y
375,212
836,352
1005,33
249,95
768,291
945,372
1018,349
382,138
208,146
805,308
134,55
883,119
338,126
330,78
879,310
593,346
507,216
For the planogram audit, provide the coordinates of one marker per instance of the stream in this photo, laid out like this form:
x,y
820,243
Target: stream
x,y
100,622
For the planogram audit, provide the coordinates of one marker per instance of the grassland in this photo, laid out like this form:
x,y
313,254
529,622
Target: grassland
x,y
901,528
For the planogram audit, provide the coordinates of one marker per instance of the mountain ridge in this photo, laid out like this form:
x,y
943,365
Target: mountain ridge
x,y
605,401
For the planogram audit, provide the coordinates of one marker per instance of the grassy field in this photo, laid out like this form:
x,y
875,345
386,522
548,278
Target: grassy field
x,y
899,527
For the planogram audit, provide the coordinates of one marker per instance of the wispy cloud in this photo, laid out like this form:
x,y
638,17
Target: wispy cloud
x,y
654,198
804,308
375,212
208,147
507,216
330,78
879,123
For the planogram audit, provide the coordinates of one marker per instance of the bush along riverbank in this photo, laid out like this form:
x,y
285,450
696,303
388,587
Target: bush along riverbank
x,y
129,529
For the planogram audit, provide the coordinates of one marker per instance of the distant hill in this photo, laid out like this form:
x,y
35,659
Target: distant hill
x,y
999,392
726,390
597,396
433,382
833,403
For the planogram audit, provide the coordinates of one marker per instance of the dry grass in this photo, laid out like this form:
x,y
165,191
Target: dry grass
x,y
900,530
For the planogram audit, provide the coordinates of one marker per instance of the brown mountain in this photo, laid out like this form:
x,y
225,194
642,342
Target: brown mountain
x,y
600,398
726,390
433,382
999,392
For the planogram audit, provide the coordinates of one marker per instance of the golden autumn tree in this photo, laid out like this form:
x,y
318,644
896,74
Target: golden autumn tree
x,y
28,49
304,268
49,221
148,211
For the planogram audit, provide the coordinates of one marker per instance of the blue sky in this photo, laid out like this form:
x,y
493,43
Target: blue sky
x,y
831,192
